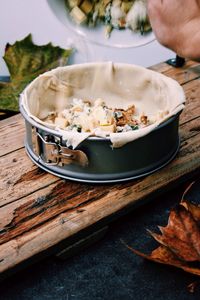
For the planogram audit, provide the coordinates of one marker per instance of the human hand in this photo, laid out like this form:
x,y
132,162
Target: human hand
x,y
176,24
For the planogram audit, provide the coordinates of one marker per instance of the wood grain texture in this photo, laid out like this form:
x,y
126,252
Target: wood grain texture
x,y
38,210
184,74
192,90
64,209
189,129
165,68
19,177
12,133
61,196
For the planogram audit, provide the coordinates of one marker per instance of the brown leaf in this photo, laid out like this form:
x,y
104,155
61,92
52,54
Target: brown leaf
x,y
194,209
181,235
179,240
163,255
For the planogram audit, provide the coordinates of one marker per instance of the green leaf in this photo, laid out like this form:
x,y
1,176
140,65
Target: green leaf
x,y
25,61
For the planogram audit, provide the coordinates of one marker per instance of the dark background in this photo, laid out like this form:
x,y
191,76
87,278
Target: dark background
x,y
108,269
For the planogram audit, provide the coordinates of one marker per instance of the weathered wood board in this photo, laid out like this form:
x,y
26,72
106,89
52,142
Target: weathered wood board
x,y
38,210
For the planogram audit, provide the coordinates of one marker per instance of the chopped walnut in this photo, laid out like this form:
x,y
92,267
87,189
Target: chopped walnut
x,y
124,117
144,119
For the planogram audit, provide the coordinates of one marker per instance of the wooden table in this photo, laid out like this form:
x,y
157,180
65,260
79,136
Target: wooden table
x,y
41,214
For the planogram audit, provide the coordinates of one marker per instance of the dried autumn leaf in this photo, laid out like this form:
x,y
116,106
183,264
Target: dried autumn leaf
x,y
180,239
194,209
181,235
163,255
25,61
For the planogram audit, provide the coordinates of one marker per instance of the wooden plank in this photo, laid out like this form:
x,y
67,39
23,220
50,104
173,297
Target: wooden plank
x,y
184,74
160,67
88,205
12,133
20,177
192,92
52,196
164,67
192,110
56,196
189,129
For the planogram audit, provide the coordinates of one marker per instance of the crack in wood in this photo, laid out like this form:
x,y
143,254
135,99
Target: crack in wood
x,y
8,153
181,124
34,174
38,211
2,231
188,151
38,202
195,128
80,210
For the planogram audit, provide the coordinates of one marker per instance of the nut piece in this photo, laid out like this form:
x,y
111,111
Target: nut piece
x,y
144,119
124,117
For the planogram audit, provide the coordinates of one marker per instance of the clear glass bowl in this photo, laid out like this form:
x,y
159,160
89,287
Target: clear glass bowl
x,y
119,38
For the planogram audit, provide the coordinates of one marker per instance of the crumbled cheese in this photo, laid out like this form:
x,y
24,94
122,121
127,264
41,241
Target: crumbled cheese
x,y
81,116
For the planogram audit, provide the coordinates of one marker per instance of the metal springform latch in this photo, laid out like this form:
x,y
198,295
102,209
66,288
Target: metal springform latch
x,y
49,150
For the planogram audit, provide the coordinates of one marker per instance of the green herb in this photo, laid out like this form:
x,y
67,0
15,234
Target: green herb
x,y
134,127
25,61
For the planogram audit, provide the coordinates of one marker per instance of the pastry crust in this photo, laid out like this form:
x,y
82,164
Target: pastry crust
x,y
128,89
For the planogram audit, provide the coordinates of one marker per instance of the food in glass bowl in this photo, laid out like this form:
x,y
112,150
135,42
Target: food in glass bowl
x,y
113,14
